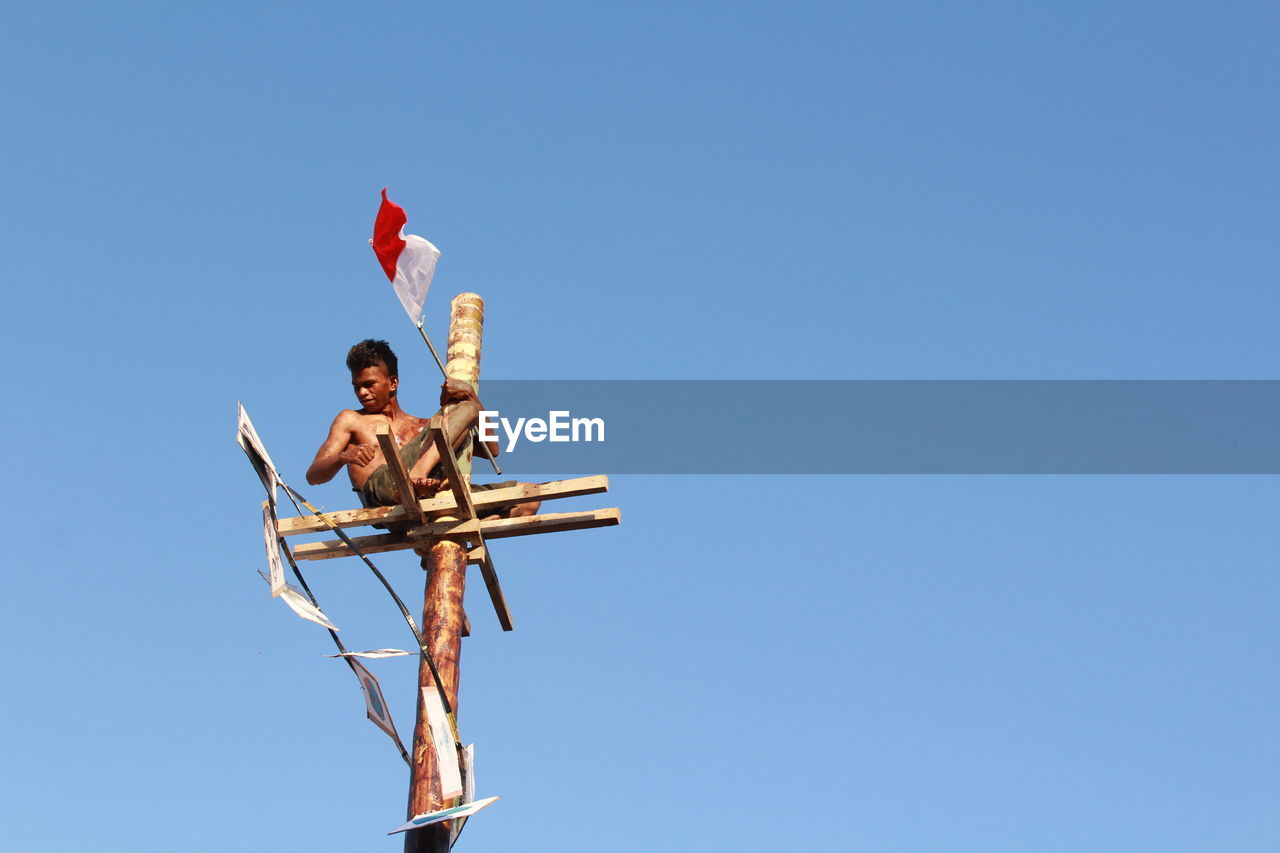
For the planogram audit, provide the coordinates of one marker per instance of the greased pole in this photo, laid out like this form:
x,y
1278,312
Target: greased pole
x,y
484,448
445,562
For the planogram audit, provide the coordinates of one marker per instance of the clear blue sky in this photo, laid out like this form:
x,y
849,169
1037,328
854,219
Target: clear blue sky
x,y
657,190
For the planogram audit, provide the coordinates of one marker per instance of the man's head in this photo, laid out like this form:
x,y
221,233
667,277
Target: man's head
x,y
374,374
369,353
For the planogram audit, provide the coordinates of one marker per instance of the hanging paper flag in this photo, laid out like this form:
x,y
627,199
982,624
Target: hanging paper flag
x,y
300,604
443,740
375,704
464,810
469,768
373,654
408,260
468,785
247,438
272,540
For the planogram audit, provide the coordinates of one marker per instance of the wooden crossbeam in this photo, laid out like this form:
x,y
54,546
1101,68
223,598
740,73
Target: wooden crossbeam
x,y
457,483
492,584
551,522
462,494
399,474
494,528
482,500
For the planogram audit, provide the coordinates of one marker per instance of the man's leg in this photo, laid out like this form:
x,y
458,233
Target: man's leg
x,y
523,510
517,511
458,422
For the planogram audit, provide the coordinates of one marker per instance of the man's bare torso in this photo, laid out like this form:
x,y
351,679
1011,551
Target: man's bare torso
x,y
362,429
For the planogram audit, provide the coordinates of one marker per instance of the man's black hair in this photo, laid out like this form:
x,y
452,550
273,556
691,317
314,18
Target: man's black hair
x,y
369,353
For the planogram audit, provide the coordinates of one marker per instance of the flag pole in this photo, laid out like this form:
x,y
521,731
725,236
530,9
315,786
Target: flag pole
x,y
484,448
430,346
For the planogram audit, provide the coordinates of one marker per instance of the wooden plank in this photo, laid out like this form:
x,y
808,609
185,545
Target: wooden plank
x,y
461,489
298,524
399,474
494,586
383,542
497,528
551,522
482,500
458,484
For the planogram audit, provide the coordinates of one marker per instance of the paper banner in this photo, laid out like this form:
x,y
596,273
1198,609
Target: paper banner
x,y
446,747
375,704
247,438
469,769
464,810
300,604
271,537
373,654
468,784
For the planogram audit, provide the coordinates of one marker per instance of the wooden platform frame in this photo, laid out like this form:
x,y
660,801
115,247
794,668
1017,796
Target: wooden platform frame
x,y
451,515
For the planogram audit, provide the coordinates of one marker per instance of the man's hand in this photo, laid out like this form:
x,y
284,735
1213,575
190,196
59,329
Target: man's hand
x,y
358,455
457,391
338,450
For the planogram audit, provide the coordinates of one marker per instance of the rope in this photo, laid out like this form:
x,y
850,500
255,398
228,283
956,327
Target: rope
x,y
294,498
336,641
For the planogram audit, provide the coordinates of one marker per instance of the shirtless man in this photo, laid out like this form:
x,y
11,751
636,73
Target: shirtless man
x,y
353,440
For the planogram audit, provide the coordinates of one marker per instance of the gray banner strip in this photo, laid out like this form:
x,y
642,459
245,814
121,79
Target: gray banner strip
x,y
896,427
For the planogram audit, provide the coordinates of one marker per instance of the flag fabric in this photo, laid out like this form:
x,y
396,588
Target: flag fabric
x,y
408,260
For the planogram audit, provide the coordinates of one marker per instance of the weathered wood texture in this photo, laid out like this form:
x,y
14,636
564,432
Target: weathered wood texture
x,y
493,528
466,509
490,499
399,474
459,482
442,624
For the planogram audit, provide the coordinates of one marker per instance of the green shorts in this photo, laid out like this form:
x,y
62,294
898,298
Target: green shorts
x,y
380,488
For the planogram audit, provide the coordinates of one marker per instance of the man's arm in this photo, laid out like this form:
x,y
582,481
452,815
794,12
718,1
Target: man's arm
x,y
467,407
461,409
338,450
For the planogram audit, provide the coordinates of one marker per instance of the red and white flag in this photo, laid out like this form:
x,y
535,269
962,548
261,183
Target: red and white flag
x,y
408,260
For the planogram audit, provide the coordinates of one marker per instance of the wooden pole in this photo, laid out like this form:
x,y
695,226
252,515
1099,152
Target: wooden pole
x,y
442,616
